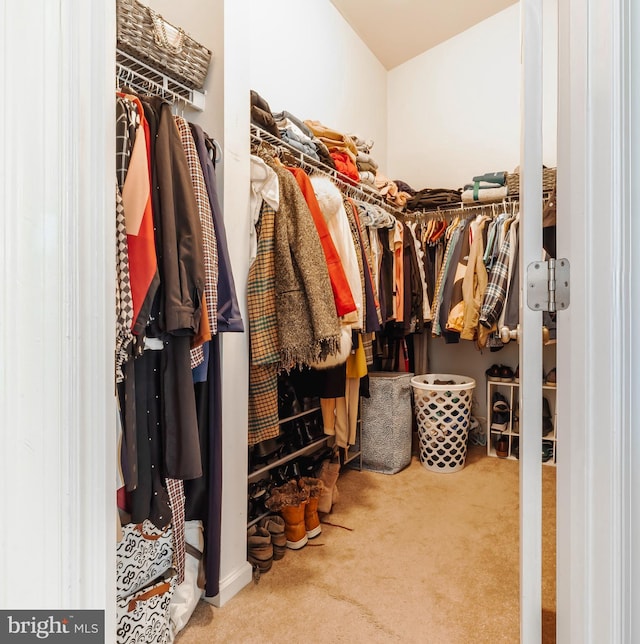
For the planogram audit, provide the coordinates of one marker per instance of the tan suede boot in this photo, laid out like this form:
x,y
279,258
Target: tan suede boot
x,y
329,476
276,527
259,549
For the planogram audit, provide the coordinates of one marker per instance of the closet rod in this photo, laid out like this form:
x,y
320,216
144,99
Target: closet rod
x,y
143,78
360,192
469,209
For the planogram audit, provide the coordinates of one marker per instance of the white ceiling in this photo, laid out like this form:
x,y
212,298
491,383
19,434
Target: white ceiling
x,y
398,30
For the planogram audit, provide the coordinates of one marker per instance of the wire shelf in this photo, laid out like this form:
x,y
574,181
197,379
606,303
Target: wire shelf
x,y
360,191
144,79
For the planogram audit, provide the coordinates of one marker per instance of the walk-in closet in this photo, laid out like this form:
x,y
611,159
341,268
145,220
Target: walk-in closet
x,y
380,323
358,381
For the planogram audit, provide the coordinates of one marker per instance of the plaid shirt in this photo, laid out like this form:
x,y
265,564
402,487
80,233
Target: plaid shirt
x,y
209,245
496,292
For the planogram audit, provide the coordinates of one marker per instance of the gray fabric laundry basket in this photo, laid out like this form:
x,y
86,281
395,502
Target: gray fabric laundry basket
x,y
386,422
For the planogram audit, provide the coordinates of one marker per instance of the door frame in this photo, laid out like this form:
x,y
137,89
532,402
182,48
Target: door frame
x,y
597,355
530,347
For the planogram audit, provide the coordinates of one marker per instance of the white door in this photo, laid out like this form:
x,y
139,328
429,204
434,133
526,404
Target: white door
x,y
598,353
530,325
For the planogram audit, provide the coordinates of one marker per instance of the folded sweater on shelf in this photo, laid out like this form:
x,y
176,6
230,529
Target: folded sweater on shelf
x,y
334,140
366,162
490,194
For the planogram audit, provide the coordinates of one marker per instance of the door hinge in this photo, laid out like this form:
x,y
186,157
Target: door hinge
x,y
548,285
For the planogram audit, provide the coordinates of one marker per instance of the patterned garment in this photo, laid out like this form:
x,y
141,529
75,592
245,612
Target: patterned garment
x,y
264,422
124,301
127,121
496,292
437,298
175,489
209,244
352,216
263,330
261,294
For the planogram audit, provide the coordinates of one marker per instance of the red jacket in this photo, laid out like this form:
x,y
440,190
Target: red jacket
x,y
339,284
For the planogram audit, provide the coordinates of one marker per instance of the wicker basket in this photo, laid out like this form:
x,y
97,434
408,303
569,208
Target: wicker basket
x,y
145,34
548,181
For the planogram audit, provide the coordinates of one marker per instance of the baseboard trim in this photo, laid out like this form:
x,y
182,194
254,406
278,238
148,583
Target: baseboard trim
x,y
231,585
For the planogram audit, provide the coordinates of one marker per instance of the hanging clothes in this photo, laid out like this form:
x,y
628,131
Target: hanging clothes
x,y
308,326
342,295
229,318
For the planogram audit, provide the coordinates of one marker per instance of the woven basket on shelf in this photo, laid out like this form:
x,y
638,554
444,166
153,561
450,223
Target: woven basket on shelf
x,y
145,34
548,181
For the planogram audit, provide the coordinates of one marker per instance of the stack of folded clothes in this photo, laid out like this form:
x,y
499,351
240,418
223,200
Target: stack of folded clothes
x,y
390,191
300,138
430,198
491,186
261,115
294,132
366,164
341,147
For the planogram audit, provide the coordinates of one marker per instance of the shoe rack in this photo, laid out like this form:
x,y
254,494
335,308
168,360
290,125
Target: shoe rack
x,y
312,447
504,443
264,472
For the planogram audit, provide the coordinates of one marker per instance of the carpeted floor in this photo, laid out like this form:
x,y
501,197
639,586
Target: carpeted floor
x,y
430,557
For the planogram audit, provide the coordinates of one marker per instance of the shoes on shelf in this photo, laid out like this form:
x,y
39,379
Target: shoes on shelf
x,y
547,451
516,374
493,372
550,379
547,421
501,446
499,413
506,374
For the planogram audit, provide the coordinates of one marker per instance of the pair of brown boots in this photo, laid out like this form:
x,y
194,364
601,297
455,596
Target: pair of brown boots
x,y
297,503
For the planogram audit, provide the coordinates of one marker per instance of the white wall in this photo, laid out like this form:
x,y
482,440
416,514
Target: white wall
x,y
306,59
226,118
204,22
57,231
454,111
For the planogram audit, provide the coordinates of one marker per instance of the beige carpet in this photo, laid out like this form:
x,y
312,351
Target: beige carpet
x,y
431,558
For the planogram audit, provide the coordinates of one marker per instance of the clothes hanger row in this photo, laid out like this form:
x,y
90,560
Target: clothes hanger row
x,y
129,78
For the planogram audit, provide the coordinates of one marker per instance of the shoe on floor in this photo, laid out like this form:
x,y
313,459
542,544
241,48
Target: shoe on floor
x,y
274,525
259,549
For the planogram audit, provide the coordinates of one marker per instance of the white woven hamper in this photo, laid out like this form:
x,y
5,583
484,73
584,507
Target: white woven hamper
x,y
386,422
443,413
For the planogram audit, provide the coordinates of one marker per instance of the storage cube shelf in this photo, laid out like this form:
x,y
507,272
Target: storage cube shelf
x,y
510,390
